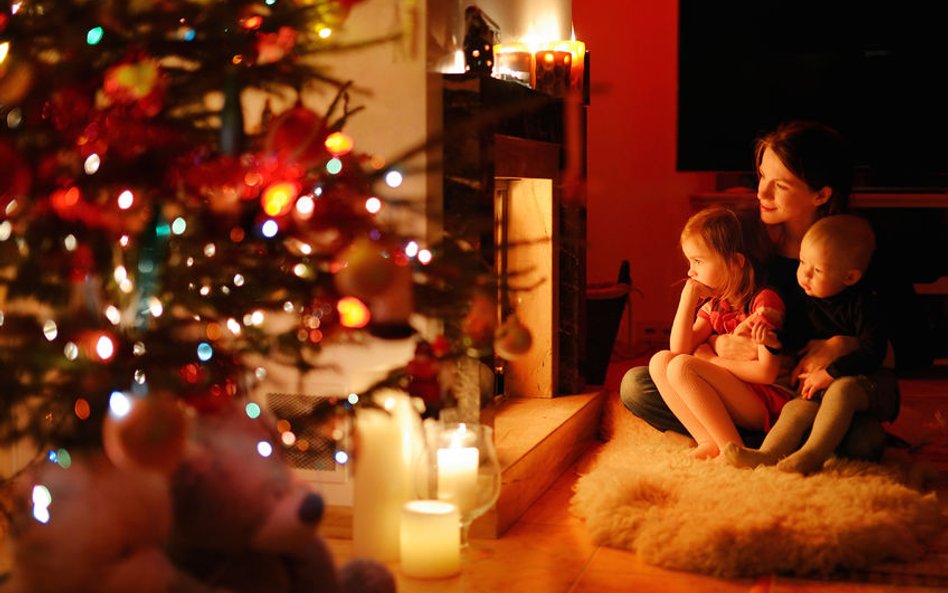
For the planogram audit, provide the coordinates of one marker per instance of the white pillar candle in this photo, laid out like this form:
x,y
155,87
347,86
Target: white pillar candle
x,y
430,539
378,485
457,472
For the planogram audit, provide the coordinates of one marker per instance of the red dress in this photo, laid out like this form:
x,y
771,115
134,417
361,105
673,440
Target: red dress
x,y
724,319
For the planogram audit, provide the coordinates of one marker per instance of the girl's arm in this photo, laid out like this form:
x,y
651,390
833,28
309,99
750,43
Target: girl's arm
x,y
688,331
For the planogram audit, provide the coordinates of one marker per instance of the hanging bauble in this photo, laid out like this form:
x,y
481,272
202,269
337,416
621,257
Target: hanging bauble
x,y
149,434
298,135
512,339
70,108
365,270
273,47
481,320
423,371
208,386
137,83
16,78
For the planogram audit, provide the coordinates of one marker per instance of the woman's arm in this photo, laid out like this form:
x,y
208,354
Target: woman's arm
x,y
762,370
819,354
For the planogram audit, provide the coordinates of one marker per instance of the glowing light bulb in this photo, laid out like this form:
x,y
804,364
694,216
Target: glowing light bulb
x,y
352,312
339,144
119,404
393,178
95,35
278,199
126,199
373,205
104,347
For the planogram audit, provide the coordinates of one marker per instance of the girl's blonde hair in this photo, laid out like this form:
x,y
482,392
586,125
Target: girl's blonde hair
x,y
721,231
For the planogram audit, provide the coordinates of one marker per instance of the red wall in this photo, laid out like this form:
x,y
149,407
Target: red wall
x,y
637,203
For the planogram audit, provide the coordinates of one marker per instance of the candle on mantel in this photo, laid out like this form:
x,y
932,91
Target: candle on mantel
x,y
577,50
430,539
457,471
513,61
553,71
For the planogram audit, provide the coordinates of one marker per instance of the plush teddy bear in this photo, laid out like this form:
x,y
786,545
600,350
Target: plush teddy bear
x,y
245,522
87,526
230,518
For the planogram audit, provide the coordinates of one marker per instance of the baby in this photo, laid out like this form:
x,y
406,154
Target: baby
x,y
834,255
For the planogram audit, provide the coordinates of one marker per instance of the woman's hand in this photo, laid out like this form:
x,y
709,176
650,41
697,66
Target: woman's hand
x,y
813,382
819,354
734,347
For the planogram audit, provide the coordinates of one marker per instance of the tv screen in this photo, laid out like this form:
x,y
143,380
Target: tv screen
x,y
873,70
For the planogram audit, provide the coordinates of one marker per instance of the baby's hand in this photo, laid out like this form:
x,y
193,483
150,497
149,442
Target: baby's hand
x,y
813,382
764,336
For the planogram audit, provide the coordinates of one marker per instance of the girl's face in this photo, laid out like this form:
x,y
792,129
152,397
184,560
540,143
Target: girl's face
x,y
704,265
784,197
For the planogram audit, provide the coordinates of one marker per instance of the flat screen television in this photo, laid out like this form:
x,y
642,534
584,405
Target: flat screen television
x,y
874,70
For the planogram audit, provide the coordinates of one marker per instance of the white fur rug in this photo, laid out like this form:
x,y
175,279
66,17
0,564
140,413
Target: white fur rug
x,y
644,493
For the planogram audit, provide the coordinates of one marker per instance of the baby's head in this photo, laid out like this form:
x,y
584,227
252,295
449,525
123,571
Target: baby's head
x,y
834,254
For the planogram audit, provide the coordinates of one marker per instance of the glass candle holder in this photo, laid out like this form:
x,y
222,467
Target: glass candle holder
x,y
463,470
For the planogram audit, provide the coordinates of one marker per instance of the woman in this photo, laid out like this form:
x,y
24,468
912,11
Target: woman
x,y
804,173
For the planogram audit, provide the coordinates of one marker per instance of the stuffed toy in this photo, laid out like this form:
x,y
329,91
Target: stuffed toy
x,y
231,517
87,526
245,522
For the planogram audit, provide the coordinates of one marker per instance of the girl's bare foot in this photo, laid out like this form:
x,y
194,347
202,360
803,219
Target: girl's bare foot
x,y
705,451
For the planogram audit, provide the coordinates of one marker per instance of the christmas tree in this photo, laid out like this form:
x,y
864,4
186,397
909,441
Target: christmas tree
x,y
150,244
154,248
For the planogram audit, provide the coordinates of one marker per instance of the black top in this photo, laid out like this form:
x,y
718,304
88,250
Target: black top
x,y
898,307
854,312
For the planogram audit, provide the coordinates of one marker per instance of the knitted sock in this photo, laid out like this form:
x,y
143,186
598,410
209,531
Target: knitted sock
x,y
844,398
785,436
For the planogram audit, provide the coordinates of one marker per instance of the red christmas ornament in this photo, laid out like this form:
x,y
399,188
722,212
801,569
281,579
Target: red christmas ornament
x,y
151,435
298,135
481,320
273,47
513,339
423,370
140,84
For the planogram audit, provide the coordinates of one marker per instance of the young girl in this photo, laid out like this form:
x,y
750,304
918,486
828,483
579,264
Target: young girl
x,y
708,398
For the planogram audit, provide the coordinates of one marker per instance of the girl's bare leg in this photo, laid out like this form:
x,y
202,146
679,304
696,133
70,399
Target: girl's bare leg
x,y
658,369
717,400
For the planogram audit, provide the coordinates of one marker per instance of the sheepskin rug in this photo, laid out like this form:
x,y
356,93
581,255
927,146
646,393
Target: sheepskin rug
x,y
644,493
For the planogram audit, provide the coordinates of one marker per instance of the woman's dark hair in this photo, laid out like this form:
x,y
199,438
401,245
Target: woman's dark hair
x,y
816,154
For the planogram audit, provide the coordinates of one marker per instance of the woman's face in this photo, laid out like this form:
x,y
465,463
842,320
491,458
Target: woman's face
x,y
784,197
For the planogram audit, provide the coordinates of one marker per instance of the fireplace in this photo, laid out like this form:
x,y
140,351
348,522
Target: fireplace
x,y
512,162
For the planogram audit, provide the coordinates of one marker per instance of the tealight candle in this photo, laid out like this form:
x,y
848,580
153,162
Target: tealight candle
x,y
457,472
430,539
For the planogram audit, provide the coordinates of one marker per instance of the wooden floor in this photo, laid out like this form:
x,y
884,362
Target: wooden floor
x,y
549,551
